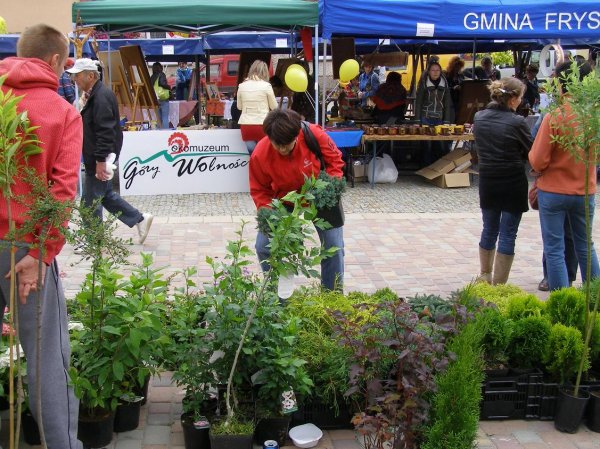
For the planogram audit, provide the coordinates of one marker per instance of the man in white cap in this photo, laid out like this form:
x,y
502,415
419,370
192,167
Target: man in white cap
x,y
102,135
33,74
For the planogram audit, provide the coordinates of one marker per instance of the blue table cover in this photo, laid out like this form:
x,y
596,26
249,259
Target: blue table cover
x,y
347,138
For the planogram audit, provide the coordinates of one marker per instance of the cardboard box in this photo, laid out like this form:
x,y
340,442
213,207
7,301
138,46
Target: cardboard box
x,y
359,172
452,170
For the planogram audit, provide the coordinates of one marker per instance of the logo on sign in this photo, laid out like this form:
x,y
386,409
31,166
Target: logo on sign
x,y
178,142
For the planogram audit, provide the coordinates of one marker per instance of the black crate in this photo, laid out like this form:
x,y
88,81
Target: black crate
x,y
506,396
323,415
542,400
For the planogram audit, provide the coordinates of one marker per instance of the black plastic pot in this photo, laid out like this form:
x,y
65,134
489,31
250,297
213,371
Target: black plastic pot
x,y
275,428
31,432
231,441
143,390
192,437
593,410
127,416
570,409
95,431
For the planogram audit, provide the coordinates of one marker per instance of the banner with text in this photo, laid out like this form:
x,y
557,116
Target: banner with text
x,y
176,162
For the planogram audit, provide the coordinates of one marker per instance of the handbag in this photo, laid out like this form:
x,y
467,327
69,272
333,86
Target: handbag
x,y
332,215
533,196
161,93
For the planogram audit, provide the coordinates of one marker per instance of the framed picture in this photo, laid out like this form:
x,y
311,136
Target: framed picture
x,y
212,90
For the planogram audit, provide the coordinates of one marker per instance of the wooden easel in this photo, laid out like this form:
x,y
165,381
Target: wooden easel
x,y
136,72
116,79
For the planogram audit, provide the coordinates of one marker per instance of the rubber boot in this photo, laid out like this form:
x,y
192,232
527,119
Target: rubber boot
x,y
486,262
502,265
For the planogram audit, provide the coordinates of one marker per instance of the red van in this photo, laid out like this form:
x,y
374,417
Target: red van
x,y
224,72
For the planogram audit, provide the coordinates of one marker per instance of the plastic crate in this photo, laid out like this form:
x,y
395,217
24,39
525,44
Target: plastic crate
x,y
542,399
506,396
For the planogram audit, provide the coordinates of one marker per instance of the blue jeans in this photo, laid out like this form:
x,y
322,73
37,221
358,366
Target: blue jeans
x,y
555,208
570,255
250,144
500,226
94,188
163,110
332,268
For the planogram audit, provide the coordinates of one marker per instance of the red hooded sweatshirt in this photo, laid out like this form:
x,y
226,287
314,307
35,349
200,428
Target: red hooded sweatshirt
x,y
273,175
60,133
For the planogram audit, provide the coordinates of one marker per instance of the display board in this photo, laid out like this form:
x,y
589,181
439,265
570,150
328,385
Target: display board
x,y
246,60
176,162
474,96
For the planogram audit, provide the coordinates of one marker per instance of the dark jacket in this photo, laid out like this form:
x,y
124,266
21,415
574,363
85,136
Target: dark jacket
x,y
102,132
434,102
503,140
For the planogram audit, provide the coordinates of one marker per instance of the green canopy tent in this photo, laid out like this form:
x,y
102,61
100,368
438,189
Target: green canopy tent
x,y
195,15
199,16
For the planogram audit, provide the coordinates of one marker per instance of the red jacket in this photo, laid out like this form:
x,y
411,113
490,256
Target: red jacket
x,y
273,175
60,133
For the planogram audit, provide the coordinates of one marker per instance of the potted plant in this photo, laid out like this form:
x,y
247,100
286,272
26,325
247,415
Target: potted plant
x,y
394,360
579,134
244,319
189,358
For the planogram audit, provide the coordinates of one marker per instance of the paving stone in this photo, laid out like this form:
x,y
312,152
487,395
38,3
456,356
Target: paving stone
x,y
157,435
128,444
527,436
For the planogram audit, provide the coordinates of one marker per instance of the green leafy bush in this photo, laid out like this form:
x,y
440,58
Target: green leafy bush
x,y
564,352
529,341
525,305
496,332
498,294
455,405
432,305
567,306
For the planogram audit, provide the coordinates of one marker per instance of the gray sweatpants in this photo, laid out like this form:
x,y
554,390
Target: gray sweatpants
x,y
60,408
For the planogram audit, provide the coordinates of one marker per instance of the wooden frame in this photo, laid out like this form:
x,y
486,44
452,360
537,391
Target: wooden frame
x,y
212,91
474,95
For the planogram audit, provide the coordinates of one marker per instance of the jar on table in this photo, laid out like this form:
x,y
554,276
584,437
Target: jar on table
x,y
393,130
402,130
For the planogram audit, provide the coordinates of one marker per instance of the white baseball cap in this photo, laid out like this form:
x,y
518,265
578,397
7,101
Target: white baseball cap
x,y
84,64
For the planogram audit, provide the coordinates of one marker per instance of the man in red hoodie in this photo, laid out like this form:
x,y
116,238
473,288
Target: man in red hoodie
x,y
41,55
279,164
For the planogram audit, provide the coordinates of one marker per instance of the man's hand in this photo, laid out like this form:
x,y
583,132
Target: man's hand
x,y
101,172
27,271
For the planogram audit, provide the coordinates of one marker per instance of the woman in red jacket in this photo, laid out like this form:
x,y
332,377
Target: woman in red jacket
x,y
279,164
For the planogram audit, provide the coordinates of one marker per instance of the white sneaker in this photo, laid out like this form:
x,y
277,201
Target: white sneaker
x,y
144,226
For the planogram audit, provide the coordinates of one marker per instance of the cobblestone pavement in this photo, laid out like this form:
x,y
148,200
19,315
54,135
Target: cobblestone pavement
x,y
409,236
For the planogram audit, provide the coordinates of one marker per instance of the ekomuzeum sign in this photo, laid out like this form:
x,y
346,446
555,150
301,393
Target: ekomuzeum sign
x,y
172,162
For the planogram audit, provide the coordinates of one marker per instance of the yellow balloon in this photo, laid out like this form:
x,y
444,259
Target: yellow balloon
x,y
349,70
344,83
296,79
3,29
296,66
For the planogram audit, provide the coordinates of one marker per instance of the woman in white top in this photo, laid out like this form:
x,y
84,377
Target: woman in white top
x,y
255,98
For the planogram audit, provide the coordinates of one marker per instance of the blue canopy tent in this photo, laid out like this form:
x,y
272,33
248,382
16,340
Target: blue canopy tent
x,y
8,46
462,19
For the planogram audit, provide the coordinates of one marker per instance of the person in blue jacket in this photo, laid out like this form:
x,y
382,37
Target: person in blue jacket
x,y
183,75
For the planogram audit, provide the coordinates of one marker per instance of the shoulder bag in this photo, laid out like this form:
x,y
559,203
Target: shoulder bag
x,y
332,215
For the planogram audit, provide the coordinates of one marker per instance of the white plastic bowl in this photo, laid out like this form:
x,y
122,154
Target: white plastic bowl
x,y
306,435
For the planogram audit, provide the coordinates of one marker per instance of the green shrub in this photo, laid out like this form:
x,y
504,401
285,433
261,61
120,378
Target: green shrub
x,y
564,352
497,294
595,344
432,305
525,305
529,341
495,331
567,306
594,290
455,405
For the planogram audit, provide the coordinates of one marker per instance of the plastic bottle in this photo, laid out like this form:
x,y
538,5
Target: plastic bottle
x,y
285,286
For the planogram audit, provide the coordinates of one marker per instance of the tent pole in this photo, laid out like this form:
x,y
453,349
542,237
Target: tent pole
x,y
324,85
474,53
316,77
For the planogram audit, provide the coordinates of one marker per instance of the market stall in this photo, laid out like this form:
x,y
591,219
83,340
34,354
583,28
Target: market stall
x,y
211,160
